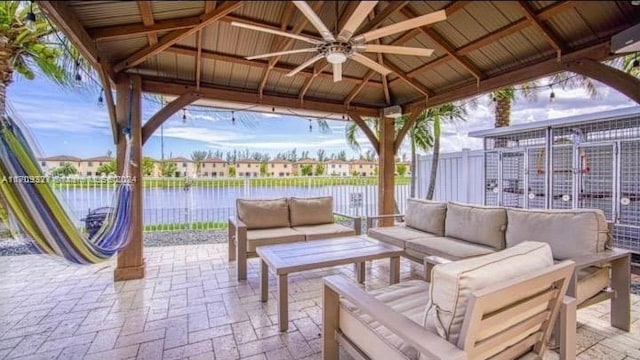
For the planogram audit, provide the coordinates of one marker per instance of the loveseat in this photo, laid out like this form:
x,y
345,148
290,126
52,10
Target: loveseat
x,y
456,231
279,221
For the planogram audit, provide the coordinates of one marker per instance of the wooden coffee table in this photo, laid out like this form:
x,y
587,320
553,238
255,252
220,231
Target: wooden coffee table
x,y
284,259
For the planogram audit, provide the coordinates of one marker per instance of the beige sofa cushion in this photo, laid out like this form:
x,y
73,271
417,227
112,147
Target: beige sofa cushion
x,y
448,248
408,298
477,224
591,281
263,214
261,237
311,211
571,233
324,231
453,283
395,235
426,215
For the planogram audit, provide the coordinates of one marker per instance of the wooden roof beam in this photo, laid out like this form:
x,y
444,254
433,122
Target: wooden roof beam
x,y
544,67
279,43
212,55
516,26
163,114
444,44
356,90
128,31
403,75
384,14
385,82
625,83
318,68
208,7
236,96
146,12
551,37
175,36
359,120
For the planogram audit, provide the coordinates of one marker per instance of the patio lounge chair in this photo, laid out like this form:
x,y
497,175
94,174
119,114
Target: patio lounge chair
x,y
494,306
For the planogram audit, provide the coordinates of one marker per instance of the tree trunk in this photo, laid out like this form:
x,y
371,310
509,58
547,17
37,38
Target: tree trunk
x,y
6,73
503,117
435,158
412,166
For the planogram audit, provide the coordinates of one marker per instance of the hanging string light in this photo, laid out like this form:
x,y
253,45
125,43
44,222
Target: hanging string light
x,y
310,126
552,96
101,99
184,115
233,118
30,19
273,109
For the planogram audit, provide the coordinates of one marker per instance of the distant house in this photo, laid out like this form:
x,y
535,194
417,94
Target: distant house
x,y
305,162
184,167
49,163
280,168
90,166
214,168
248,168
337,168
363,167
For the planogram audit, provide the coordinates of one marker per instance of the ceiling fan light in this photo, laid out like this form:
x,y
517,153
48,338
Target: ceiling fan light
x,y
337,58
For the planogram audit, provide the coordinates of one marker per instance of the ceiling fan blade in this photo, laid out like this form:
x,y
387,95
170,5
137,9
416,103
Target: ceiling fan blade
x,y
370,64
276,32
304,65
401,50
356,19
314,20
402,26
337,72
297,51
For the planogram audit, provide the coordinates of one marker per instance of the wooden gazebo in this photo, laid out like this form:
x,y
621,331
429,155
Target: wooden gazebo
x,y
190,51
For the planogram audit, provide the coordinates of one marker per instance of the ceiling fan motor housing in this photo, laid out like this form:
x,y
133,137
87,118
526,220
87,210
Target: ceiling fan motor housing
x,y
336,52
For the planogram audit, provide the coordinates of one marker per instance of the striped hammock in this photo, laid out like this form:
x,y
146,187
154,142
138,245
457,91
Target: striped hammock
x,y
40,215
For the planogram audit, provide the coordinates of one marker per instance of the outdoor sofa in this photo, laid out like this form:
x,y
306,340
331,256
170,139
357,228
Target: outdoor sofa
x,y
280,221
458,231
499,306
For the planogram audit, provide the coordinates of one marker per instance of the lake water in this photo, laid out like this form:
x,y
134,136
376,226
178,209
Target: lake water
x,y
207,204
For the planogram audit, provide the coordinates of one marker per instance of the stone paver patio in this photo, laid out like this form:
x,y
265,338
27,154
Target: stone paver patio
x,y
191,307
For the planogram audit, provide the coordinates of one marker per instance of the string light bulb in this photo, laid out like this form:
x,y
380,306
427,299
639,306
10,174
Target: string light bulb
x,y
552,96
310,126
342,116
184,115
78,77
273,109
30,19
101,99
233,118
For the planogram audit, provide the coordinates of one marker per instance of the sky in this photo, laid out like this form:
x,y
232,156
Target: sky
x,y
70,122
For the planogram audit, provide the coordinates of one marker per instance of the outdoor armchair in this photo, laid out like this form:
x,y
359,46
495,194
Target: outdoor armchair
x,y
495,314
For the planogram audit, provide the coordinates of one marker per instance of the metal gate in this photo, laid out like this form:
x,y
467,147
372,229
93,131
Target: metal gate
x,y
627,230
535,179
595,183
562,180
512,181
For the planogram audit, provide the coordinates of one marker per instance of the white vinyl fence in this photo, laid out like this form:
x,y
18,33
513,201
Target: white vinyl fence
x,y
460,176
179,203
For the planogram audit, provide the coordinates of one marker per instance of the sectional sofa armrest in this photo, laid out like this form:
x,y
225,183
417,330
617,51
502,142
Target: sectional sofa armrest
x,y
606,256
371,219
430,262
238,229
355,220
417,336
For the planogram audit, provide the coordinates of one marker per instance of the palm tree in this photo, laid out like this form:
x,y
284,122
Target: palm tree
x,y
420,137
29,50
198,156
436,115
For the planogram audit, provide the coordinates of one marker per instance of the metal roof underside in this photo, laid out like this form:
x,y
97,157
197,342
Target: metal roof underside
x,y
479,40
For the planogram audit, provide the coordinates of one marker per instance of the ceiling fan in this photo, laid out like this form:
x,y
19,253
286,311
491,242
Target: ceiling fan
x,y
337,49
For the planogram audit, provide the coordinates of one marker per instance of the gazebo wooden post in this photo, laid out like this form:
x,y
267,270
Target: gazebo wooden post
x,y
386,173
128,93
